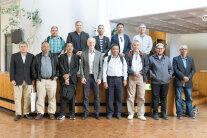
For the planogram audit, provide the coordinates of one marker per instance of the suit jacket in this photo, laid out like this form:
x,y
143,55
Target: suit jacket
x,y
127,42
145,64
98,67
180,71
72,37
19,71
106,44
64,68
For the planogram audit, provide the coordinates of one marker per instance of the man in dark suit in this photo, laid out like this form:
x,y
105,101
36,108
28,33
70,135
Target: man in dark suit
x,y
69,66
122,40
21,79
91,74
184,70
102,42
78,38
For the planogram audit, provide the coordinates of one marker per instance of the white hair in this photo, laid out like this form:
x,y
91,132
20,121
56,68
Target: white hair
x,y
183,46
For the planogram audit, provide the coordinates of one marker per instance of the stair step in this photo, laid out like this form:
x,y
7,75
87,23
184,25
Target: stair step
x,y
199,100
194,93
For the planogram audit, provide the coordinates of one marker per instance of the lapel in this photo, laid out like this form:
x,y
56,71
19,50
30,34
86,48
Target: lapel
x,y
27,59
117,39
71,61
20,58
95,59
181,62
98,42
188,62
125,40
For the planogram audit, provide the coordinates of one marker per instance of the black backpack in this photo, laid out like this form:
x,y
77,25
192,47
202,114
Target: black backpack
x,y
121,58
48,39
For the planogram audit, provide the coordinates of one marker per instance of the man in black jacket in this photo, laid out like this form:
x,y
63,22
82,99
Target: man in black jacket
x,y
102,42
21,79
69,66
45,70
138,65
184,70
78,38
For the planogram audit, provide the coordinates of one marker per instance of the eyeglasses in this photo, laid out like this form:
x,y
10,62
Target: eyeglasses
x,y
184,49
160,48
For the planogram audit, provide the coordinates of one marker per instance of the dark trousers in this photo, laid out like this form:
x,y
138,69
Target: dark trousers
x,y
86,91
188,99
63,105
115,88
159,91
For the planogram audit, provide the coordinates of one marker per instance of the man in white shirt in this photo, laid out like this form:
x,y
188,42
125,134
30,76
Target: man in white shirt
x,y
91,75
114,78
145,40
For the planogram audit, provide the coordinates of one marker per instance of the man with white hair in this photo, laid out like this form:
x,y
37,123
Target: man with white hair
x,y
91,75
145,40
160,73
184,70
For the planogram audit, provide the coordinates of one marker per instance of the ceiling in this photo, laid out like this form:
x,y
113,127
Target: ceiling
x,y
4,2
179,22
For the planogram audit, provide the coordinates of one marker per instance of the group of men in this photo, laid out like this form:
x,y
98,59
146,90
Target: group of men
x,y
127,65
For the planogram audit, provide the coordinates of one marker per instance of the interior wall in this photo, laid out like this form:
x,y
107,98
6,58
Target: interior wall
x,y
197,45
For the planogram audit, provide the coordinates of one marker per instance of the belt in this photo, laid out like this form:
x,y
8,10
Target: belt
x,y
114,76
46,78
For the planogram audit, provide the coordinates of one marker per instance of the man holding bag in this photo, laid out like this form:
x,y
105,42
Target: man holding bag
x,y
69,65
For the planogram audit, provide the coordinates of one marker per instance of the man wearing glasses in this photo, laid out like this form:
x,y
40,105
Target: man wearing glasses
x,y
184,70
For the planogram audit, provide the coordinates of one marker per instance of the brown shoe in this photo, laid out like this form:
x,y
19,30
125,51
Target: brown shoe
x,y
39,116
52,116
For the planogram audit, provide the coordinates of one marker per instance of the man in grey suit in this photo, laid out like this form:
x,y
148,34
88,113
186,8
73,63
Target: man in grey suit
x,y
91,74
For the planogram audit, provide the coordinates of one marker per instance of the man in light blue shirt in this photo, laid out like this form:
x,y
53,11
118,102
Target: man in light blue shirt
x,y
145,40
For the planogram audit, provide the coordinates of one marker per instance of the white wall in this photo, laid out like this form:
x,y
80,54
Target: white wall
x,y
130,8
197,45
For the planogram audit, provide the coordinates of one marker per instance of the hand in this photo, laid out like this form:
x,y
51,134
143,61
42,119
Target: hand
x,y
105,85
185,79
98,81
13,83
62,52
66,76
33,82
121,54
79,53
103,54
67,82
37,80
83,81
138,75
124,82
55,78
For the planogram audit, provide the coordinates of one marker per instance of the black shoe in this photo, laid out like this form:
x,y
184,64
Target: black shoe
x,y
109,117
17,117
97,117
179,117
72,117
164,116
85,116
27,116
118,117
156,117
